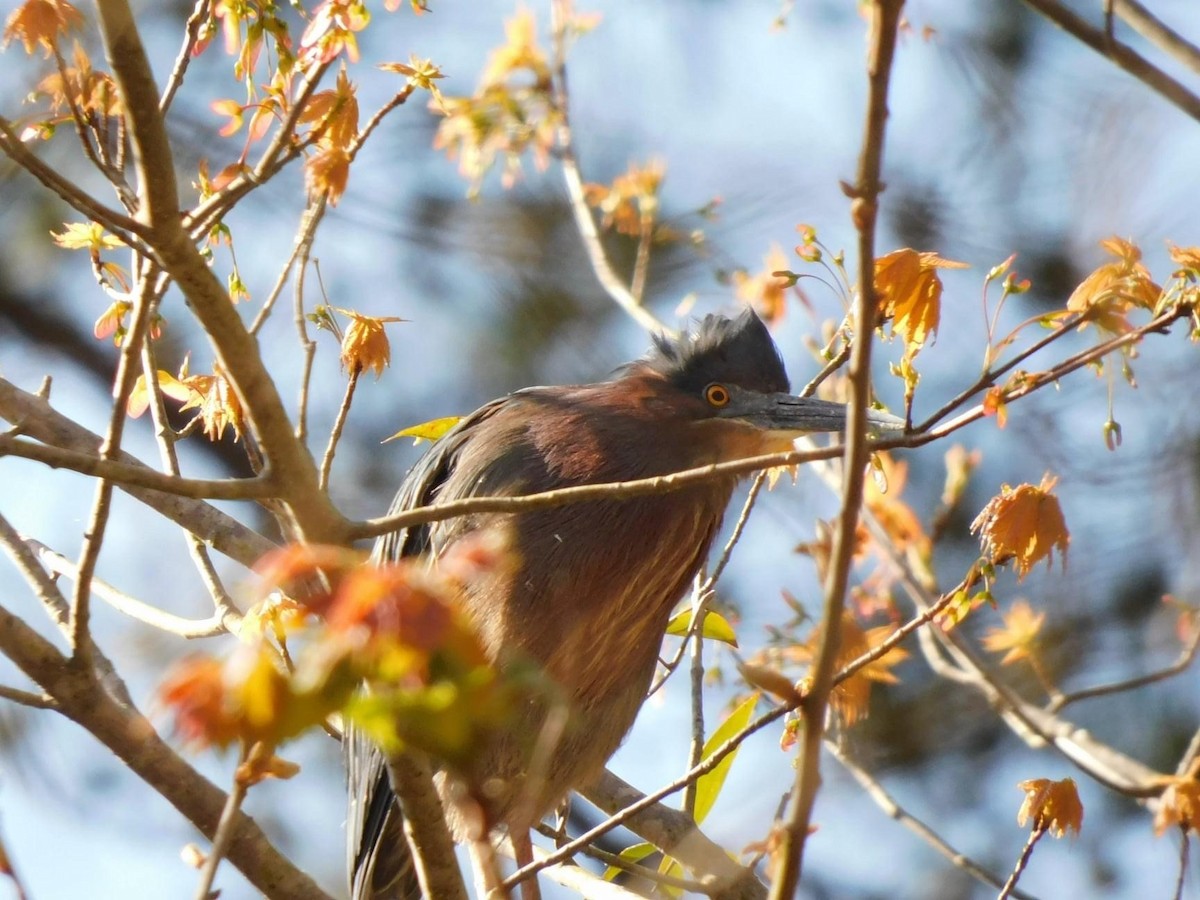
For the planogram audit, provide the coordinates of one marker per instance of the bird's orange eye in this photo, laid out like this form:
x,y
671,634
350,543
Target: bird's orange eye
x,y
717,395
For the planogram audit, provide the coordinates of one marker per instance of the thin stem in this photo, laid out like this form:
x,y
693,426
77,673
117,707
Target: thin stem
x,y
338,424
302,244
225,829
226,614
700,601
1181,877
612,283
1158,33
27,698
127,366
131,606
128,474
893,809
649,800
191,34
1135,64
1022,861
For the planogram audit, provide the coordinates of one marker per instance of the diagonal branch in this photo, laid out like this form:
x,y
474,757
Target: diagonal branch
x,y
35,417
1132,62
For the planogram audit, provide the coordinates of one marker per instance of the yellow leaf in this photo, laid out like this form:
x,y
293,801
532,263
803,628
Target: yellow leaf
x,y
86,236
716,627
1024,524
1018,636
633,854
1054,806
708,785
426,431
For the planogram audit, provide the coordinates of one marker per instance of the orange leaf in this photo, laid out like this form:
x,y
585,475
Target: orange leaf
x,y
1114,288
1024,524
1179,806
1019,636
1054,806
910,294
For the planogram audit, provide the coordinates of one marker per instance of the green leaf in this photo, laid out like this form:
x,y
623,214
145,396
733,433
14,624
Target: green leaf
x,y
426,431
716,627
633,854
709,785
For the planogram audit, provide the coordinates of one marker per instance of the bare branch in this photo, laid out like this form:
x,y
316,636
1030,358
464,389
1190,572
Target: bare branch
x,y
630,811
191,33
33,415
126,474
1132,62
335,433
608,278
121,225
676,833
883,23
131,606
27,698
1184,661
225,829
1158,33
888,804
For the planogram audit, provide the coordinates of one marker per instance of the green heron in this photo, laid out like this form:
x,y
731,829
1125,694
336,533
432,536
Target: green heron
x,y
593,584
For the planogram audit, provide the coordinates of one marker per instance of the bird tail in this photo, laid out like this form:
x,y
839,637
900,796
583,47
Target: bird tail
x,y
378,860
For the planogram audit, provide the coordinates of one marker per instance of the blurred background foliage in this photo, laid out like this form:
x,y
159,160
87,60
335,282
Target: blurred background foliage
x,y
1006,137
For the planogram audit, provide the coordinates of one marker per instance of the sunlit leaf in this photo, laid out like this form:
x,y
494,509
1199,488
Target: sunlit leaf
x,y
426,431
1018,638
708,785
633,854
1024,524
1053,806
716,627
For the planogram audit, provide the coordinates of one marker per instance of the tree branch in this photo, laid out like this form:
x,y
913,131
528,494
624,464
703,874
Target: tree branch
x,y
33,416
133,740
884,20
1132,62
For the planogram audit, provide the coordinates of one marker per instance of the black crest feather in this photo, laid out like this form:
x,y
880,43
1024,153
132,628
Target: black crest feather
x,y
733,351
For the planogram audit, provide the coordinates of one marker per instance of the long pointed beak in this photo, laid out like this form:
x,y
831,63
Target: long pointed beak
x,y
801,415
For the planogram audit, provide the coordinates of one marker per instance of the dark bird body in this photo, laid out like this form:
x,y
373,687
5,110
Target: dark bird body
x,y
592,585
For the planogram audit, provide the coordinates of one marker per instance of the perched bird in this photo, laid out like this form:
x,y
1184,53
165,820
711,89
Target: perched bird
x,y
592,584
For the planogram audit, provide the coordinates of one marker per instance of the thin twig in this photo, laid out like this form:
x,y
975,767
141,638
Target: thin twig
x,y
225,829
200,15
339,423
893,809
884,19
649,800
1184,661
305,234
124,227
1022,861
1132,62
58,609
226,615
612,283
1181,878
137,475
130,606
144,303
27,698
